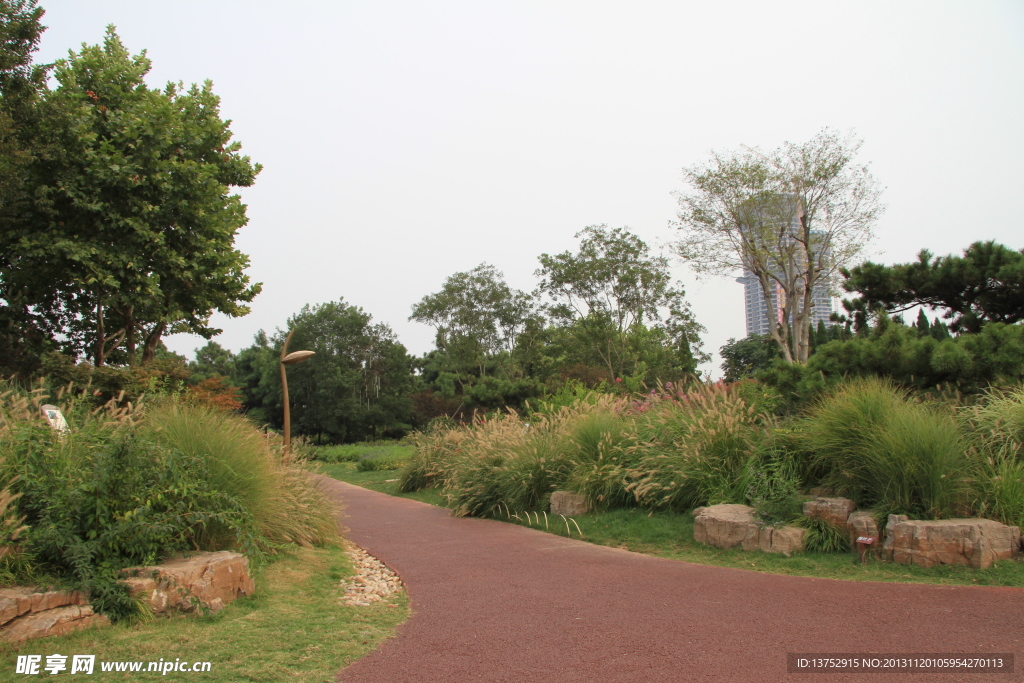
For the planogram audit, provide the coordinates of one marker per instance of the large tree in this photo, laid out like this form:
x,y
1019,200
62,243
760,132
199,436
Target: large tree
x,y
791,217
612,294
984,285
356,385
24,334
134,227
477,316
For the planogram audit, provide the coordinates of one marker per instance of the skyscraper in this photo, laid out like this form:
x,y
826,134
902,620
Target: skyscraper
x,y
758,319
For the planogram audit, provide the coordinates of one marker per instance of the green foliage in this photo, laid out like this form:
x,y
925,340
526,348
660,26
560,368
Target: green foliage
x,y
104,498
790,217
969,362
694,449
336,454
131,226
982,286
774,490
821,536
476,314
379,459
748,356
357,386
165,374
888,452
124,488
612,296
238,461
996,428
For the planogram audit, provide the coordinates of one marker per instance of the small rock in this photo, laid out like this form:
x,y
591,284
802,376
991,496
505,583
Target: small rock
x,y
566,503
372,582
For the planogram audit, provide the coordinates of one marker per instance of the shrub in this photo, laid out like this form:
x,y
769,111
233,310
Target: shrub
x,y
127,487
378,460
283,499
694,449
822,536
336,454
888,452
996,428
773,490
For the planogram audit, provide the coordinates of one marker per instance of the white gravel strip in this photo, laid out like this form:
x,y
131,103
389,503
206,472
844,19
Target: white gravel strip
x,y
372,582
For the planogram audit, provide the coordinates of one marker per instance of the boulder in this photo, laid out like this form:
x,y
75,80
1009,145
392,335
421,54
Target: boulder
x,y
727,526
731,526
51,622
972,542
208,579
863,523
26,613
835,511
786,540
566,503
21,600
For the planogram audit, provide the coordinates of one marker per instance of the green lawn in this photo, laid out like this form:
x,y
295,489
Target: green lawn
x,y
671,535
293,628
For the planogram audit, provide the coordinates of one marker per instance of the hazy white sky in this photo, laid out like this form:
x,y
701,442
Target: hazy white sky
x,y
406,141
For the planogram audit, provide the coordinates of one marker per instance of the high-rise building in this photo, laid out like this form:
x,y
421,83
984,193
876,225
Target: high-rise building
x,y
760,320
765,217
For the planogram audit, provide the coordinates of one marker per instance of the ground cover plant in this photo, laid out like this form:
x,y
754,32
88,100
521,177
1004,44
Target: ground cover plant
x,y
292,628
673,449
129,485
670,534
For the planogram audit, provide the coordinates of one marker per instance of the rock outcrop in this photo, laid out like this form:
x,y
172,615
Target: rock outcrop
x,y
26,614
731,526
972,542
835,511
566,503
207,580
210,580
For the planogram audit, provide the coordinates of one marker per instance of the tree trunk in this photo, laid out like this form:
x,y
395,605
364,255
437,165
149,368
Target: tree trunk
x,y
152,340
98,355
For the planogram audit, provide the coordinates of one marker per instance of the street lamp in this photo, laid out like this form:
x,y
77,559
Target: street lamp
x,y
289,359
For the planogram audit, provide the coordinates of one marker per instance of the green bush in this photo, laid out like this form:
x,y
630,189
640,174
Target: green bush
x,y
773,490
996,431
238,459
125,502
336,454
821,536
373,462
128,487
888,452
695,450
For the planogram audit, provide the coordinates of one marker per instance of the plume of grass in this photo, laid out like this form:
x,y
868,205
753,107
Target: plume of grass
x,y
1001,487
889,452
282,498
695,451
598,447
504,460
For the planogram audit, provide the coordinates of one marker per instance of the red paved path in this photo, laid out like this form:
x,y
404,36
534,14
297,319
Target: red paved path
x,y
500,602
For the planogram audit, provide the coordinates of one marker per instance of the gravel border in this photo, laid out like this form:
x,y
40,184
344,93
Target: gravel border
x,y
373,580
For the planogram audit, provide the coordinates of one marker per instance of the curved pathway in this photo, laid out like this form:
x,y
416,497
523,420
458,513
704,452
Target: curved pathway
x,y
500,602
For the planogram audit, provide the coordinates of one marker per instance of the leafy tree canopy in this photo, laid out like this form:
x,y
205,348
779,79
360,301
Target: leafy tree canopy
x,y
790,216
611,290
133,226
356,386
984,285
745,357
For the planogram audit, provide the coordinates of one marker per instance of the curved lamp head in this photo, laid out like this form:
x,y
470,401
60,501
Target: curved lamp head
x,y
296,357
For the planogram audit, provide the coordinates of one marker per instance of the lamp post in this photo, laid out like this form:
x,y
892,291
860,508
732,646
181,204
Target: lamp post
x,y
289,359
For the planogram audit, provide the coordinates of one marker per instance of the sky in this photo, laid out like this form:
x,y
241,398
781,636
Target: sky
x,y
403,142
